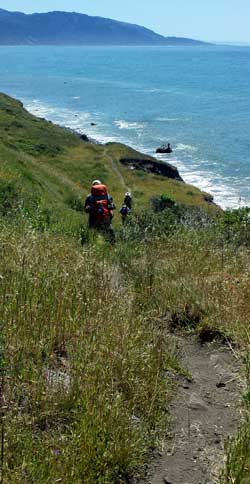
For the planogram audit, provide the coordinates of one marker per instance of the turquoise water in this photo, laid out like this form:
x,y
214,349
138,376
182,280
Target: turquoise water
x,y
197,98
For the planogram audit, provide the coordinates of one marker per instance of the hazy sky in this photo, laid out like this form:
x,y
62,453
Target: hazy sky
x,y
221,20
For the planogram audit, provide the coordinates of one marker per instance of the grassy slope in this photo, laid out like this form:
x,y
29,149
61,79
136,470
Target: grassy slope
x,y
55,165
83,342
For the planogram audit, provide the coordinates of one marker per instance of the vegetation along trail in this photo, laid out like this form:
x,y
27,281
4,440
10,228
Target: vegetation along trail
x,y
95,375
204,414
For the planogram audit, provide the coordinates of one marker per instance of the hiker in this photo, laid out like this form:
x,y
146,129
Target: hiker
x,y
126,207
99,205
124,211
128,200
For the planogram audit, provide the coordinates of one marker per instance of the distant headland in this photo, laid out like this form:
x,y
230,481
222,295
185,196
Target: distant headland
x,y
70,28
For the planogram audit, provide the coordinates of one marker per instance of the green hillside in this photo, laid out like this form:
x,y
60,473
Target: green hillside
x,y
89,359
43,162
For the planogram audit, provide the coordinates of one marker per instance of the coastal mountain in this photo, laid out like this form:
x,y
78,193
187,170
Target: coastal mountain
x,y
65,28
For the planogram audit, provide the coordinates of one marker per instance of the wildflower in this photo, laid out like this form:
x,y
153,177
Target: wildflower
x,y
56,452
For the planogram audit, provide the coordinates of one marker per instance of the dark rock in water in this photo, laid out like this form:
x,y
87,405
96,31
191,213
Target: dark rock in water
x,y
208,198
164,149
150,165
84,137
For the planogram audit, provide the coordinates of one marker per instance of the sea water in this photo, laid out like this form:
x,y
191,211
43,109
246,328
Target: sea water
x,y
196,98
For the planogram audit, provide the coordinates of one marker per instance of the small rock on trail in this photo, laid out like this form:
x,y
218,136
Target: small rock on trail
x,y
204,413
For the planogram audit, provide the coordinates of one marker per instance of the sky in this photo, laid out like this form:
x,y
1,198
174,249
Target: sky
x,y
211,20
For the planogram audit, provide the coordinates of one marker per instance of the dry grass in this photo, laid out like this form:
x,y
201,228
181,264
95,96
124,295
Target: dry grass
x,y
86,343
85,329
83,389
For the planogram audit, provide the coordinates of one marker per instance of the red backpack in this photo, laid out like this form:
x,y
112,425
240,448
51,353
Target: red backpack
x,y
100,202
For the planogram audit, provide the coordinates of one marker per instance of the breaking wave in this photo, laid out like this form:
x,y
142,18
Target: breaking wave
x,y
121,124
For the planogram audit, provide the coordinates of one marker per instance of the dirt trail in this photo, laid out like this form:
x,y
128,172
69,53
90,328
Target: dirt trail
x,y
115,168
205,412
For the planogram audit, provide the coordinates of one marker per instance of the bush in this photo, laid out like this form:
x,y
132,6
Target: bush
x,y
9,197
161,203
145,224
235,225
76,203
37,216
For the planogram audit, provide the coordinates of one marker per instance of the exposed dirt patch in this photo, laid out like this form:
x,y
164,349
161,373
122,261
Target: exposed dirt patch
x,y
204,413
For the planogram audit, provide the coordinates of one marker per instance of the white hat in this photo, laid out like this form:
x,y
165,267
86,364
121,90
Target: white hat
x,y
96,182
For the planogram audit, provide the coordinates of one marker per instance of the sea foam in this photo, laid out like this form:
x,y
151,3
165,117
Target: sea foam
x,y
121,124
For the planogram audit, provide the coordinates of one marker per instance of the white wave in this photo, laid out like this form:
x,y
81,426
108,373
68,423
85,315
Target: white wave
x,y
77,120
153,90
121,124
185,147
103,139
170,120
62,116
39,109
76,97
223,192
149,90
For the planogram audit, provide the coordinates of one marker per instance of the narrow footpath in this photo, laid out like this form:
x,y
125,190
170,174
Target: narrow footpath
x,y
115,168
204,413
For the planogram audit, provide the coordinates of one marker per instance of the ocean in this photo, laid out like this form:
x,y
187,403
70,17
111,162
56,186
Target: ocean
x,y
196,98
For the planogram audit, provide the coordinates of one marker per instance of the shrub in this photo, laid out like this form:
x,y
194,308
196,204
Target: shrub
x,y
235,225
75,202
161,203
9,197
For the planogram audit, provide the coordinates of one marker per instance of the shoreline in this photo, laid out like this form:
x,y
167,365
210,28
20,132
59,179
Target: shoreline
x,y
82,126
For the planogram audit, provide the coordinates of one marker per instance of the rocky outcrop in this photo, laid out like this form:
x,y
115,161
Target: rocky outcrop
x,y
84,137
164,149
208,198
149,165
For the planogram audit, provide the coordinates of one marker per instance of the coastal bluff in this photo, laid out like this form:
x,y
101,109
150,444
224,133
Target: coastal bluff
x,y
54,165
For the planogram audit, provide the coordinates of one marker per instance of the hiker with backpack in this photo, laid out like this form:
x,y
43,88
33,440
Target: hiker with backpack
x,y
128,200
124,211
126,207
99,205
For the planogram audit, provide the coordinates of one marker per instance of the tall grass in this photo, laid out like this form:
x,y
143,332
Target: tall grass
x,y
86,345
85,341
236,467
84,393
